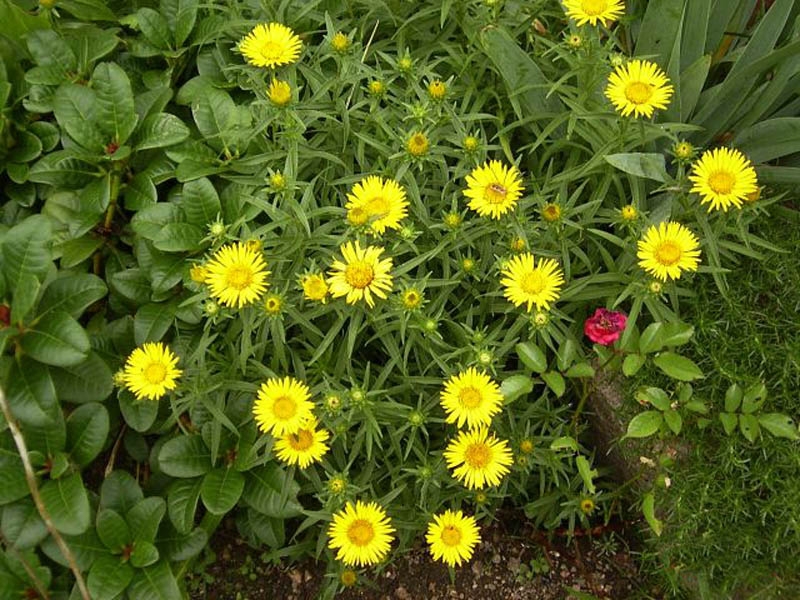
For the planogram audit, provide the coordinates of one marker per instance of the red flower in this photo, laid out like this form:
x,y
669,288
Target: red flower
x,y
605,326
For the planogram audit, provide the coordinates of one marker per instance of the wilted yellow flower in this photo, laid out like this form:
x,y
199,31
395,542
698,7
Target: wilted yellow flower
x,y
587,506
273,304
683,150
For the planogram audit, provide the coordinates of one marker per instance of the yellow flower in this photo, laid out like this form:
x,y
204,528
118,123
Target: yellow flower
x,y
452,220
254,245
412,298
270,45
279,92
467,264
361,274
381,202
277,181
361,533
198,273
471,398
452,537
518,244
348,578
574,41
237,275
667,250
470,143
629,212
273,304
526,446
587,506
437,89
527,282
477,458
551,212
304,447
282,406
376,88
417,144
493,189
151,370
639,87
315,287
683,150
337,485
340,42
723,177
592,11
755,196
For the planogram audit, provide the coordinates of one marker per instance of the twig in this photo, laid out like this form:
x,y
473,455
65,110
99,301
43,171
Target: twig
x,y
30,477
363,58
112,459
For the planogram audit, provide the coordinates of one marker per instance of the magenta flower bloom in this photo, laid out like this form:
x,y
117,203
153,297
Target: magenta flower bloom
x,y
605,326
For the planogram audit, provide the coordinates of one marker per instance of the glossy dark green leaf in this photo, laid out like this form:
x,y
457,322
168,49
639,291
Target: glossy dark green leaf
x,y
115,114
145,517
31,393
138,414
185,456
88,381
67,503
182,501
57,339
87,430
112,529
108,578
221,489
72,293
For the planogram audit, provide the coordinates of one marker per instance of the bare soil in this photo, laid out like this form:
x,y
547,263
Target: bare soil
x,y
514,562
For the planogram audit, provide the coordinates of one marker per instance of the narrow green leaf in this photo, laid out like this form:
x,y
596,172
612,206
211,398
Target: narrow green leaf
x,y
648,509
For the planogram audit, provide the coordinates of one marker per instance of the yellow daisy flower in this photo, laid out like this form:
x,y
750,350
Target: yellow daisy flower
x,y
723,177
270,45
412,298
592,11
304,447
531,283
198,273
315,287
237,275
471,397
361,533
417,145
279,92
452,537
340,42
437,89
668,250
629,212
639,87
273,304
282,406
493,189
150,371
361,274
477,458
381,202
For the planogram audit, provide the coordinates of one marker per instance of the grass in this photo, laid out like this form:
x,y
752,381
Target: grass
x,y
733,514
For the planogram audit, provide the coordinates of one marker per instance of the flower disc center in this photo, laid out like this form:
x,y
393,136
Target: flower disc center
x,y
284,408
155,373
722,182
495,193
302,440
668,253
533,283
359,274
638,92
451,536
470,397
239,277
360,532
594,8
477,455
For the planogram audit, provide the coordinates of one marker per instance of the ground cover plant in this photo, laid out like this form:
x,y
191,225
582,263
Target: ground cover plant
x,y
345,272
